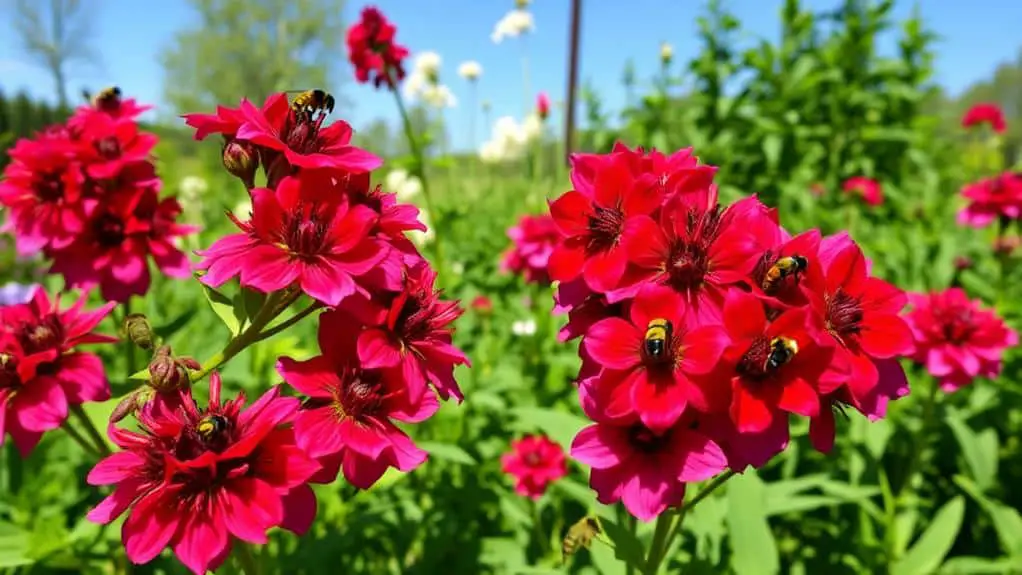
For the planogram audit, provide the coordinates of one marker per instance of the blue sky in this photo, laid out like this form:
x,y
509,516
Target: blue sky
x,y
975,36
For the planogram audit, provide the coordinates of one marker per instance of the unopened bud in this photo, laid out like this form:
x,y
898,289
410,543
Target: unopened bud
x,y
131,404
138,330
666,53
165,372
482,305
241,160
1007,245
962,263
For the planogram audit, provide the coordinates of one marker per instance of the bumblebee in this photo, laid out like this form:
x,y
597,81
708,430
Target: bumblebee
x,y
581,534
658,337
107,97
211,426
792,266
309,102
782,350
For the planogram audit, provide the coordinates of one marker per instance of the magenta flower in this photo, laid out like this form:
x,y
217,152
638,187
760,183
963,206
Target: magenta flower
x,y
305,233
535,462
108,145
534,239
196,488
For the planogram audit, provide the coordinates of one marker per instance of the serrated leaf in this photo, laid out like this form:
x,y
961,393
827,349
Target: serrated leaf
x,y
448,452
225,309
753,549
928,552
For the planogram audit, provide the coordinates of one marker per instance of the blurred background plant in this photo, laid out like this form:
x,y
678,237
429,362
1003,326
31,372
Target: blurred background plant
x,y
796,121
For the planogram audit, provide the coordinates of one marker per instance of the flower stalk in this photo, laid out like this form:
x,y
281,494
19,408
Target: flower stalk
x,y
101,446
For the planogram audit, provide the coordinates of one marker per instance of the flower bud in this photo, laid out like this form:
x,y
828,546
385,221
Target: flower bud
x,y
131,403
1006,245
666,53
167,373
962,263
137,329
482,305
241,160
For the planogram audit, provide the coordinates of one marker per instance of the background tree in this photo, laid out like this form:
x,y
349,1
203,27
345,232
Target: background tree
x,y
251,48
56,34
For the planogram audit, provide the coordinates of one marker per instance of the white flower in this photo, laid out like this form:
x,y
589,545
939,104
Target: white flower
x,y
523,327
513,24
510,139
192,187
532,127
438,96
457,268
428,64
666,52
470,70
422,238
405,185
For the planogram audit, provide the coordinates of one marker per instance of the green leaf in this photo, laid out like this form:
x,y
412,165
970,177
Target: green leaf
x,y
252,301
14,544
448,452
140,375
164,332
627,546
753,549
799,503
979,451
232,315
772,150
929,550
978,566
558,425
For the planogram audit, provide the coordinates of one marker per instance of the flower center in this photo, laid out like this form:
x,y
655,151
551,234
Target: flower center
x,y
47,334
688,261
361,394
956,325
49,187
844,315
109,148
532,459
305,231
109,230
605,225
301,132
644,440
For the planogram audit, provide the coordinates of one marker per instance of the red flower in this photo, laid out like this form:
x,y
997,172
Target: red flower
x,y
107,145
698,249
225,121
42,188
129,226
373,51
535,238
985,114
992,198
348,421
196,479
867,188
657,376
682,167
305,232
535,462
302,138
592,224
956,339
41,370
860,314
482,304
776,278
779,368
542,106
411,332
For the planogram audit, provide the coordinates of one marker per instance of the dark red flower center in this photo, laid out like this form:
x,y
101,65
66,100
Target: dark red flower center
x,y
956,324
361,394
42,336
844,315
644,440
301,132
689,260
109,230
49,187
532,459
108,148
605,226
305,231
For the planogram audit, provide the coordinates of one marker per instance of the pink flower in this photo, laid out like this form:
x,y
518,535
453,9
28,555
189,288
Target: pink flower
x,y
535,462
196,479
583,306
986,113
869,189
482,304
992,198
107,145
956,339
543,106
534,238
647,471
41,370
305,233
348,421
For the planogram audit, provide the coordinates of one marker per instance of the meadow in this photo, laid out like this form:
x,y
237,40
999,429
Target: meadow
x,y
815,132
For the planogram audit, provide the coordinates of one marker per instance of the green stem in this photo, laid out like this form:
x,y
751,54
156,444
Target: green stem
x,y
129,346
656,548
919,441
420,172
102,447
290,321
243,551
80,439
537,525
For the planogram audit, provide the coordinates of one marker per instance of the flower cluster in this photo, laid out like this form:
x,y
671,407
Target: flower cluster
x,y
42,372
533,240
704,326
318,228
373,51
956,339
991,199
986,113
86,195
535,461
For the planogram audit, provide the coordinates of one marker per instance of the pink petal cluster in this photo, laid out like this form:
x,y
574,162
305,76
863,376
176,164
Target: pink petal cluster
x,y
42,371
991,199
956,339
533,240
706,327
985,113
87,196
867,188
535,461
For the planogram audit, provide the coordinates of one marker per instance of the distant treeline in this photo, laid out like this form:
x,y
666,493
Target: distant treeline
x,y
21,116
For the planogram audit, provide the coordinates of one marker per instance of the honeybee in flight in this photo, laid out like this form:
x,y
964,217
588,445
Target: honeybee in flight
x,y
792,266
658,337
782,350
211,426
309,102
581,534
107,97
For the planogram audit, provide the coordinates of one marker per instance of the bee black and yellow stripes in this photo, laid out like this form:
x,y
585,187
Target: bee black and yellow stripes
x,y
309,102
782,350
788,266
658,337
210,426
